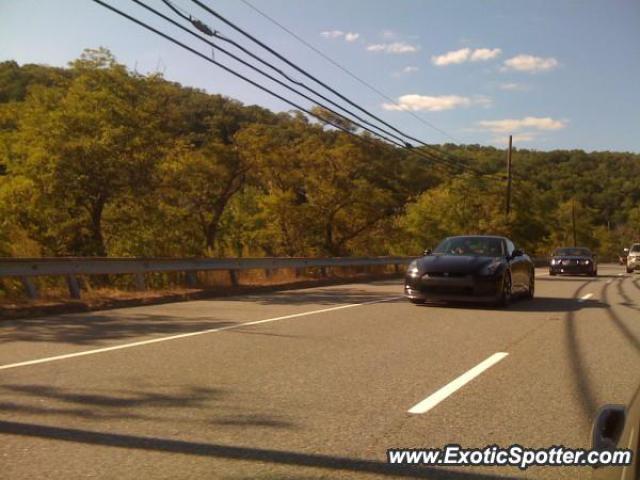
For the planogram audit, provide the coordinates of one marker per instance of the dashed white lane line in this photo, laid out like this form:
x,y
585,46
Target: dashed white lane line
x,y
585,297
437,397
608,282
190,334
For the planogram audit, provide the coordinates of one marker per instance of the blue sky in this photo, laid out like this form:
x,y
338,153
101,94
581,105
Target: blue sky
x,y
554,73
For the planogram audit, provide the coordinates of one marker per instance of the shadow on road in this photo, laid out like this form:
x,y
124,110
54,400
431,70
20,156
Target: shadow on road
x,y
581,372
48,400
213,450
326,296
617,321
96,328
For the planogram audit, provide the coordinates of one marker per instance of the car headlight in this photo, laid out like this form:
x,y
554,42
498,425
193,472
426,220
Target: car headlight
x,y
413,268
555,261
585,262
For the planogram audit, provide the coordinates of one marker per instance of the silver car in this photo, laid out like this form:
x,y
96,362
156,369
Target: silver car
x,y
633,258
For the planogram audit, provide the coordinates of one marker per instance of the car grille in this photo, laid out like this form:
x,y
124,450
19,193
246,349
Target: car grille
x,y
446,274
448,290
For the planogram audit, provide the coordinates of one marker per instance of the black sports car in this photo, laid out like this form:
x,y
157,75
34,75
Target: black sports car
x,y
573,260
471,268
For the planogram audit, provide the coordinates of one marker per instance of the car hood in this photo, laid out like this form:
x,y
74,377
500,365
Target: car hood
x,y
453,263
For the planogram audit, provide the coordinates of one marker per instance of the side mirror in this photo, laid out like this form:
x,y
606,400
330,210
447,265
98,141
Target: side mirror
x,y
608,427
517,253
427,252
626,250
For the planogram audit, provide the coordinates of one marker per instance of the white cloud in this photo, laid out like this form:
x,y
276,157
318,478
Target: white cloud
x,y
464,55
351,36
388,34
513,125
484,54
523,137
529,63
482,100
415,102
393,48
457,56
513,86
410,69
332,34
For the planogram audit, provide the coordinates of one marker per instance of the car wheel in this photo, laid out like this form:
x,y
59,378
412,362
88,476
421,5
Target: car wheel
x,y
532,286
505,295
594,273
553,274
629,270
416,301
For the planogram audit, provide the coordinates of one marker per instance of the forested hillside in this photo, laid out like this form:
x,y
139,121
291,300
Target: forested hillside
x,y
98,160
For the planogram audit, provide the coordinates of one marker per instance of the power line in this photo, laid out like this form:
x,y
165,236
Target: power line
x,y
185,15
323,84
346,70
233,72
304,72
253,67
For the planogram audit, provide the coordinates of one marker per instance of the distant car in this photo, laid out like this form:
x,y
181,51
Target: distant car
x,y
633,258
471,268
573,261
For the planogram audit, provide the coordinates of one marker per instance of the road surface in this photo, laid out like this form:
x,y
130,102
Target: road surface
x,y
314,383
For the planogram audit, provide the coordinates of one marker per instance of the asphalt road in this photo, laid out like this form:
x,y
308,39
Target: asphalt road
x,y
314,383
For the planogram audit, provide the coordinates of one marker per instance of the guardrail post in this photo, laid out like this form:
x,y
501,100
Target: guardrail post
x,y
323,271
192,279
298,272
139,281
74,286
396,267
29,287
267,272
233,277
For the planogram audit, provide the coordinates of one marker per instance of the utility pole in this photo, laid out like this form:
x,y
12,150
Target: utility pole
x,y
509,178
573,220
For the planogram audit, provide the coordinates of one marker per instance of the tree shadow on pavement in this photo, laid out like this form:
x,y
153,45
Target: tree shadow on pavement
x,y
228,452
325,296
100,405
96,328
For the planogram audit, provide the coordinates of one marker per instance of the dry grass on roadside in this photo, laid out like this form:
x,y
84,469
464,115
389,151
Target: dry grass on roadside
x,y
104,291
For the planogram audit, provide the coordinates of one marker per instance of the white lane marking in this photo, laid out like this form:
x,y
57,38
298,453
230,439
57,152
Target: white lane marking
x,y
546,274
621,274
437,397
190,334
585,297
608,282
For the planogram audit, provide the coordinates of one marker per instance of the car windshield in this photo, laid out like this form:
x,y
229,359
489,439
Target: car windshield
x,y
572,252
473,246
635,248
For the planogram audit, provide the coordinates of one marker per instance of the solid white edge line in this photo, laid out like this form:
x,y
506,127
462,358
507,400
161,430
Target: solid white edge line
x,y
585,297
437,397
185,335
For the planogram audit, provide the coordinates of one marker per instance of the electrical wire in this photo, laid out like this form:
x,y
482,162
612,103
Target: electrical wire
x,y
431,148
215,33
346,70
233,72
304,72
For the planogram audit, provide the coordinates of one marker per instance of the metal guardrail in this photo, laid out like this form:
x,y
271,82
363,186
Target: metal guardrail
x,y
27,268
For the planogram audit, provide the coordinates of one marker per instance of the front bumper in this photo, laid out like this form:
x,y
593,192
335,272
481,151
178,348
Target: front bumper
x,y
468,288
572,268
633,263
